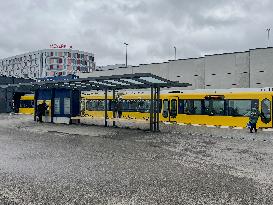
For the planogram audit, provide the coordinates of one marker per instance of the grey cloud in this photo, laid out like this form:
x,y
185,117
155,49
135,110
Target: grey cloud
x,y
151,27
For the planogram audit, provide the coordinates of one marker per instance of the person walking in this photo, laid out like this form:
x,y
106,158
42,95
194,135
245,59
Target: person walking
x,y
253,119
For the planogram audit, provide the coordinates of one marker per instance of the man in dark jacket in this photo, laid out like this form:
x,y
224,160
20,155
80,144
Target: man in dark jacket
x,y
41,108
119,108
253,119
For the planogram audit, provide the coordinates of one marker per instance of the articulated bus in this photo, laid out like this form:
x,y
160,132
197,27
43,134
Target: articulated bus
x,y
223,108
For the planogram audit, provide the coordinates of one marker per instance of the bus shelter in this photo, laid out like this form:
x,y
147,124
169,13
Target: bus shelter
x,y
68,92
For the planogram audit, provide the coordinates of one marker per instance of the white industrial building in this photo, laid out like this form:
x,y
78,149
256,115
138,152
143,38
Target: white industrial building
x,y
248,69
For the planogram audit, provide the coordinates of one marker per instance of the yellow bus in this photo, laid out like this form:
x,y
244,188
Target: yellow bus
x,y
221,109
27,105
203,108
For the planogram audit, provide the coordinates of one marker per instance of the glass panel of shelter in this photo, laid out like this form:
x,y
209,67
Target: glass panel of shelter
x,y
152,80
133,81
128,105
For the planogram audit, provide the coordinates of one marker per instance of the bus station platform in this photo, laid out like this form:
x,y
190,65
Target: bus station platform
x,y
63,97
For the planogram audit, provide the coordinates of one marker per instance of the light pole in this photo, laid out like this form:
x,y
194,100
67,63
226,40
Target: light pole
x,y
268,36
126,44
174,53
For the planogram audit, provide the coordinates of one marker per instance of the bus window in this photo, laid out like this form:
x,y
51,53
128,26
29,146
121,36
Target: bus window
x,y
133,105
219,107
26,104
214,107
160,106
101,105
188,106
180,106
266,111
255,104
241,107
197,107
91,105
125,105
141,106
193,107
173,111
165,113
146,105
208,107
97,105
82,106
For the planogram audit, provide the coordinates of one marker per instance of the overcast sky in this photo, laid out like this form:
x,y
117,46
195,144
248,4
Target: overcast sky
x,y
151,27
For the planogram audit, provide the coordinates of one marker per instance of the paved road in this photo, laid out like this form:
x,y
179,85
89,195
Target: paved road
x,y
60,164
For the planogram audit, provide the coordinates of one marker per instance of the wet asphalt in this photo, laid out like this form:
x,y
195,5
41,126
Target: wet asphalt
x,y
78,164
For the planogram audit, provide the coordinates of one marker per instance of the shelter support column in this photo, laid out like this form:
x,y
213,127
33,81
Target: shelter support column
x,y
155,109
105,107
156,101
114,107
158,108
152,110
52,105
35,104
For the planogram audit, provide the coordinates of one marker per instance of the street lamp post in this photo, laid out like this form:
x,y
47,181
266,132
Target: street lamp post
x,y
126,44
268,36
174,53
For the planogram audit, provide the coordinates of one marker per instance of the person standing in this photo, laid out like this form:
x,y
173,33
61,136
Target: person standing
x,y
41,111
119,108
253,119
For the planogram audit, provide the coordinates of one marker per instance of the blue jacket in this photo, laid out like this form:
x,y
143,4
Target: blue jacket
x,y
254,116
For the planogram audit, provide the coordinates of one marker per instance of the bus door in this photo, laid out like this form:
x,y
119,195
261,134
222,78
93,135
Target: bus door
x,y
166,110
173,109
266,112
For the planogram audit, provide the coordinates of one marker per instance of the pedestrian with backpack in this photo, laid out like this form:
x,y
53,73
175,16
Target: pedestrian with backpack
x,y
253,119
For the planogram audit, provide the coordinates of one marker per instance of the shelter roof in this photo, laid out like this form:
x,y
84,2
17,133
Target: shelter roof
x,y
114,82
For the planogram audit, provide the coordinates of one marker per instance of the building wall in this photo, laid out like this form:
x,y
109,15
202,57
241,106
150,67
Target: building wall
x,y
61,62
261,67
253,68
109,67
188,71
227,70
160,69
23,66
47,62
